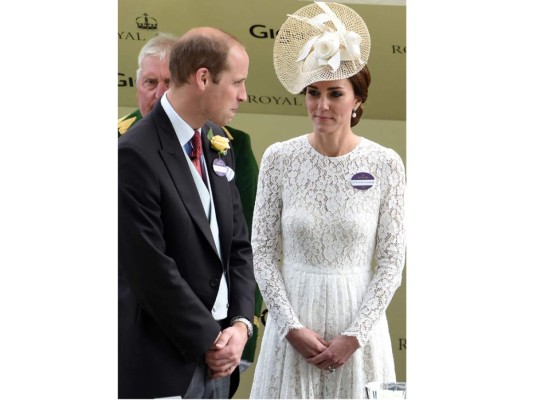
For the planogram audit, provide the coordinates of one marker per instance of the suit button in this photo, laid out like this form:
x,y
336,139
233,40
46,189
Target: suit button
x,y
214,283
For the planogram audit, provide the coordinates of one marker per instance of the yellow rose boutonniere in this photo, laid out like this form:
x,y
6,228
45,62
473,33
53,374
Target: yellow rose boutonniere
x,y
219,143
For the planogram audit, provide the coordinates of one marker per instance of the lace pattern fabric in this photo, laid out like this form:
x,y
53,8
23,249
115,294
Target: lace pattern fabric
x,y
314,238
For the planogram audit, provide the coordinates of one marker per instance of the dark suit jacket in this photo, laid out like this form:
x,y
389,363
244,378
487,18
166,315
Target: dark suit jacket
x,y
169,269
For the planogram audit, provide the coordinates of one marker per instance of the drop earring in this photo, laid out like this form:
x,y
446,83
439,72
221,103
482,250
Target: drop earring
x,y
354,114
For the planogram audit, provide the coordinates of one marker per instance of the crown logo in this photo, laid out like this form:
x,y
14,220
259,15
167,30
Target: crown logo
x,y
146,22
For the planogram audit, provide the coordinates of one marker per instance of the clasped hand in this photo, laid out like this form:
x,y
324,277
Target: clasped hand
x,y
320,352
225,353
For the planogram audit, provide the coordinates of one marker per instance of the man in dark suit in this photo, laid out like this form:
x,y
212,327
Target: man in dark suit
x,y
153,80
186,285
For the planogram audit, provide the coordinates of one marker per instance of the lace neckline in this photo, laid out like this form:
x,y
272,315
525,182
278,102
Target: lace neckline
x,y
333,158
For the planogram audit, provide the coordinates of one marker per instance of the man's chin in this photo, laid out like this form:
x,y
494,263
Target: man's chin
x,y
221,121
233,112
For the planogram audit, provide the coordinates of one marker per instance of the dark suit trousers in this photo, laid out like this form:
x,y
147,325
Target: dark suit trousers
x,y
202,387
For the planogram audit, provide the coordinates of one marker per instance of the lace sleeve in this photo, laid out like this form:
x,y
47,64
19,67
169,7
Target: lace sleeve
x,y
266,242
390,250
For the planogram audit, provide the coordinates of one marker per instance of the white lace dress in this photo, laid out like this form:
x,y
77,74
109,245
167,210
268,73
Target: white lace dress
x,y
314,237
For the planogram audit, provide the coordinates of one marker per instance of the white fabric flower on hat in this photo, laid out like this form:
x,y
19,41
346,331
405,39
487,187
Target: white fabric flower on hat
x,y
327,45
331,47
327,49
352,44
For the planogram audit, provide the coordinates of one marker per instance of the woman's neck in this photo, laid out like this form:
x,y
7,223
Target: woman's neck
x,y
332,145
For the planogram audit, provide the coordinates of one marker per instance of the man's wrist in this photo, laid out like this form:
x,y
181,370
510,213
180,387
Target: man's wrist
x,y
248,324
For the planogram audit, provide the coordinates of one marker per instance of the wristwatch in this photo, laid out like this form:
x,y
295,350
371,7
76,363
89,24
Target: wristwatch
x,y
245,321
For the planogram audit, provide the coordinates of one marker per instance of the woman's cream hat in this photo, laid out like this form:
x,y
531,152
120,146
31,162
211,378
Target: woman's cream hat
x,y
320,42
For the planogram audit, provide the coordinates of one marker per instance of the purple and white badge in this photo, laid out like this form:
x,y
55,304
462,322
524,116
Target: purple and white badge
x,y
362,181
219,166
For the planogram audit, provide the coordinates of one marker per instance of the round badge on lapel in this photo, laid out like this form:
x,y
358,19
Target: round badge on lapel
x,y
219,166
362,180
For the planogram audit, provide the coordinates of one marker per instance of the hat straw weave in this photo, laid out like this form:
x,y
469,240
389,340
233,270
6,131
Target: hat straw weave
x,y
303,31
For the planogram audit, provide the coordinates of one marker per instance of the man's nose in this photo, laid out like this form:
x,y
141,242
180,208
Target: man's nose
x,y
161,89
241,96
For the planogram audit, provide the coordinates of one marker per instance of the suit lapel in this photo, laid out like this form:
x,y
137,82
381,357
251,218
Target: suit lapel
x,y
177,166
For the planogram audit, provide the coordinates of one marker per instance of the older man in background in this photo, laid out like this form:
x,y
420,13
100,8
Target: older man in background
x,y
153,78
